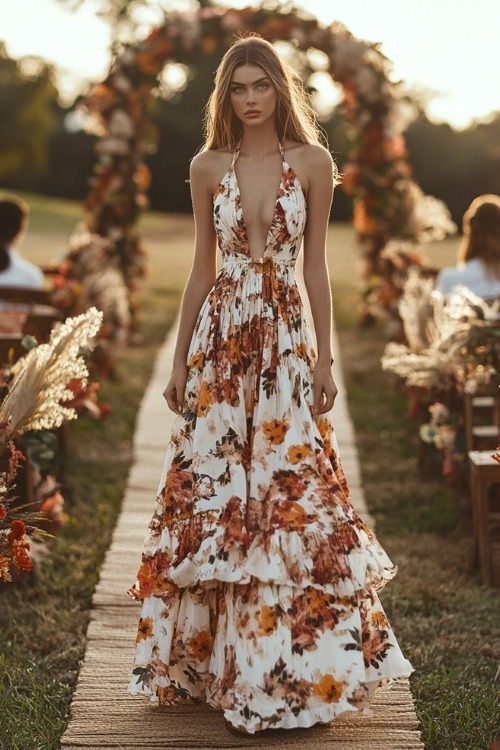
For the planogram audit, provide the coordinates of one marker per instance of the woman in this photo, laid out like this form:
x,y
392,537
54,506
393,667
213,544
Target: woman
x,y
257,577
478,266
14,270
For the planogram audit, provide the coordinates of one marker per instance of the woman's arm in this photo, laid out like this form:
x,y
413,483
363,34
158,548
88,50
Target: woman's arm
x,y
201,277
316,277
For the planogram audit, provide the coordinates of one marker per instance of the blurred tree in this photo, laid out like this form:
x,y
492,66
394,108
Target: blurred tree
x,y
28,96
455,165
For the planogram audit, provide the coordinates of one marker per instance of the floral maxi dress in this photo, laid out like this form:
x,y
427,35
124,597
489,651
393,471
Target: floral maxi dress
x,y
258,580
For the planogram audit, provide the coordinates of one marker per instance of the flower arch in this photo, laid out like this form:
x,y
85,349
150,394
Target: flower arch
x,y
391,215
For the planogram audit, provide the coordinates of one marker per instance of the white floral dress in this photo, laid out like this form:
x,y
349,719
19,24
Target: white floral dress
x,y
258,580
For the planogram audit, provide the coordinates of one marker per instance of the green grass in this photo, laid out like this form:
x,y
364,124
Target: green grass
x,y
447,624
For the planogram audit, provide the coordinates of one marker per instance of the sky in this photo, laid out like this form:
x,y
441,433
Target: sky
x,y
447,48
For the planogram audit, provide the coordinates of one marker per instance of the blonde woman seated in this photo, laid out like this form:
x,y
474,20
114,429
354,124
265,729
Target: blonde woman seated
x,y
478,266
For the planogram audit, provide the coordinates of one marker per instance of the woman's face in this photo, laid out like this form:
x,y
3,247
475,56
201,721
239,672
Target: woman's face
x,y
253,96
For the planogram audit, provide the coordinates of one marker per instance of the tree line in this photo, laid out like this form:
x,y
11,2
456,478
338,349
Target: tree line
x,y
40,151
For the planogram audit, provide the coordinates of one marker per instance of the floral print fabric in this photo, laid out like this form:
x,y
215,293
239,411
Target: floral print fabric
x,y
258,579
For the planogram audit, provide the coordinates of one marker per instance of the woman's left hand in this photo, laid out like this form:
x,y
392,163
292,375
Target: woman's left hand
x,y
324,387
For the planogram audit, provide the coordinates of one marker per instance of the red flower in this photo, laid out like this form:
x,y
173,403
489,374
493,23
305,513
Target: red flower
x,y
18,530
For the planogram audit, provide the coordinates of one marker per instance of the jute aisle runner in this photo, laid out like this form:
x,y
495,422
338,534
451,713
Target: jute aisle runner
x,y
104,716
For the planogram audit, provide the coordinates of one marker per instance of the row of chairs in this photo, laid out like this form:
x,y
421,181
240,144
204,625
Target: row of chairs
x,y
24,312
482,431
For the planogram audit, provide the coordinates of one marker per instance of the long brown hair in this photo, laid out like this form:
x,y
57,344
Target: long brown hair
x,y
481,227
294,117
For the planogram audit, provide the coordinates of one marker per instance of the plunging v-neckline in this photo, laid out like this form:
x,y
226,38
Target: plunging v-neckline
x,y
242,221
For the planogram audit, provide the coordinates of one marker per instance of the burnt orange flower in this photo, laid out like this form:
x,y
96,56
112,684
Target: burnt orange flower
x,y
275,430
145,629
197,360
378,618
3,511
267,620
292,515
204,400
297,453
328,689
200,645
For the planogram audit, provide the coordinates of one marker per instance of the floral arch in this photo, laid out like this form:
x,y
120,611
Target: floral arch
x,y
391,215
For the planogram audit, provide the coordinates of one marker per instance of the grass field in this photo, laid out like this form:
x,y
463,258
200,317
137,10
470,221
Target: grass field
x,y
447,623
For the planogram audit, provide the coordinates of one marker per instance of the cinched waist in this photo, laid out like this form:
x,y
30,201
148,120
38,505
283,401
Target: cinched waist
x,y
268,261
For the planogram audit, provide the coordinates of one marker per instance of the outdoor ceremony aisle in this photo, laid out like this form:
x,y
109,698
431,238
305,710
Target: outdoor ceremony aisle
x,y
103,715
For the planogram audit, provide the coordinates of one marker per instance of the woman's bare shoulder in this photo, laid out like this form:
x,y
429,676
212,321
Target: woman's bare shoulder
x,y
309,154
210,165
308,161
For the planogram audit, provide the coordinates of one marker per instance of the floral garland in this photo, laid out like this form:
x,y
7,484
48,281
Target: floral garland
x,y
388,205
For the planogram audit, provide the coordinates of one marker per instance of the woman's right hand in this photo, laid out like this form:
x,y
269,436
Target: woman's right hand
x,y
175,388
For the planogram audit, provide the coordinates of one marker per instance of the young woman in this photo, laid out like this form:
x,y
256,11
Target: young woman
x,y
478,266
14,269
258,579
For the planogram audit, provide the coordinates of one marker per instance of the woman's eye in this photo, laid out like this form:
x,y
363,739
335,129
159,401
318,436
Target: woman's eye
x,y
237,89
263,86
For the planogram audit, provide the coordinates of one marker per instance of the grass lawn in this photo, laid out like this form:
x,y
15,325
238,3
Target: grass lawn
x,y
447,624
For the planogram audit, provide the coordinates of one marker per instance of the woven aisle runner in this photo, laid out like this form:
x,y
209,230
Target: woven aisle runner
x,y
102,714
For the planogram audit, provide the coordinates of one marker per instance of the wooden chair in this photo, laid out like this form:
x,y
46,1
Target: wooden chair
x,y
11,348
24,296
482,421
485,495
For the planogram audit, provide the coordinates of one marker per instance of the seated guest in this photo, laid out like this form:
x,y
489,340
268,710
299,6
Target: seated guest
x,y
478,266
15,270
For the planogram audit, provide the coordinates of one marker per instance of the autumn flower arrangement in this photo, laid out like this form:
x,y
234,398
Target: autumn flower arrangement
x,y
36,399
452,348
391,215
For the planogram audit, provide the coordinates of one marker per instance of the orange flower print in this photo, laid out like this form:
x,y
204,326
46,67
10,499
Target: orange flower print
x,y
293,516
275,430
301,351
204,400
197,360
378,619
267,620
297,453
200,645
328,689
145,629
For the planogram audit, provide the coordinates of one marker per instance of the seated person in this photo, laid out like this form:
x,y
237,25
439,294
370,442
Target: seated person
x,y
478,266
14,270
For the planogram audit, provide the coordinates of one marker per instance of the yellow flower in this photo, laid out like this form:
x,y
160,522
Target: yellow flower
x,y
378,618
297,453
328,689
197,360
267,620
200,645
275,431
204,400
145,629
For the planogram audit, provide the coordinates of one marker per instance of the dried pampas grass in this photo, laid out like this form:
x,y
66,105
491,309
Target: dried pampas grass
x,y
39,387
